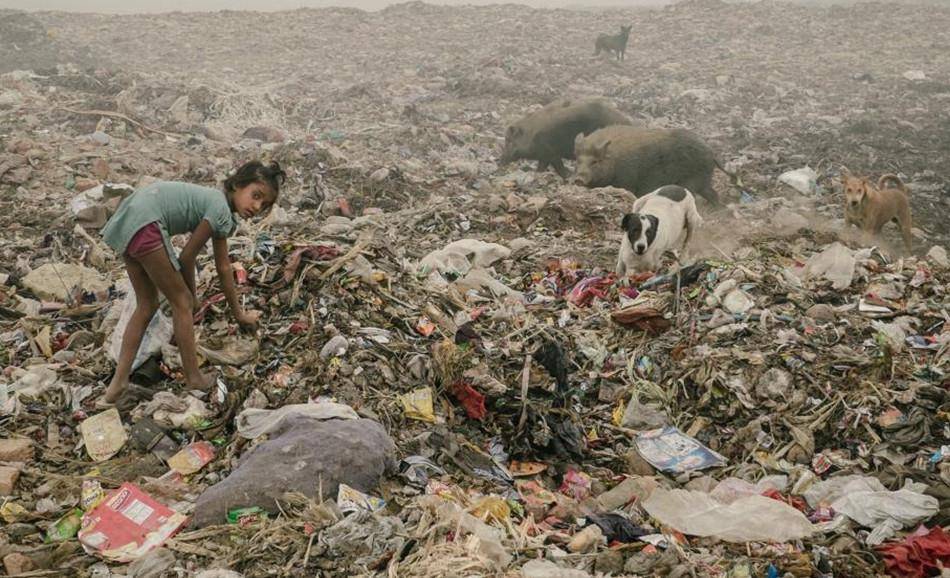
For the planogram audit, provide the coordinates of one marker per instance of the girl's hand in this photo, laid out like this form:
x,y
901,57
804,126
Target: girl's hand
x,y
248,318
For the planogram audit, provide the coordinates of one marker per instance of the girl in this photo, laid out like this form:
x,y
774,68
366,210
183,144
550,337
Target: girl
x,y
141,232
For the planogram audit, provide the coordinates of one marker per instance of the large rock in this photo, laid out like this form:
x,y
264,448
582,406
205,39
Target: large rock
x,y
304,455
55,281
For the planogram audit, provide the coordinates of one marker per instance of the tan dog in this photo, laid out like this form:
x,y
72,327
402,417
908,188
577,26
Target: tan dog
x,y
870,208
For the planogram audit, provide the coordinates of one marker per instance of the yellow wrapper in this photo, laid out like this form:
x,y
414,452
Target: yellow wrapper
x,y
617,415
418,405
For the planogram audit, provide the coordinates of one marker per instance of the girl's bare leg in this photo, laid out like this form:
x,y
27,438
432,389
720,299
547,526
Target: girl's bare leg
x,y
172,285
146,304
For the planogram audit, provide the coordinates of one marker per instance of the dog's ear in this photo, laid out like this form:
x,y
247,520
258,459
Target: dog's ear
x,y
627,219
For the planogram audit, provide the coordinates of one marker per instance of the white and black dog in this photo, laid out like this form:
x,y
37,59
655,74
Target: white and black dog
x,y
660,221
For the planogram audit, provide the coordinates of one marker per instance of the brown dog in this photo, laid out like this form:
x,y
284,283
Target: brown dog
x,y
870,208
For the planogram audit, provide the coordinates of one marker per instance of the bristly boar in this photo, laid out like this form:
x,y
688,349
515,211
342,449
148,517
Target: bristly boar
x,y
616,43
642,160
547,135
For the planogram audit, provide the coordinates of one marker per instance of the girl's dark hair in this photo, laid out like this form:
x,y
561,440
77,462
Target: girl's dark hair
x,y
257,172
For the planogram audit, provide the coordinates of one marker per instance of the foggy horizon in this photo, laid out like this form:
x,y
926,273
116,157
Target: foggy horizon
x,y
151,6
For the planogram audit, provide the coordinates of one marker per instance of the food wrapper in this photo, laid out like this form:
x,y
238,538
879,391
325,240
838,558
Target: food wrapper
x,y
425,327
91,495
670,450
65,528
127,525
418,405
192,458
12,512
103,435
351,500
246,516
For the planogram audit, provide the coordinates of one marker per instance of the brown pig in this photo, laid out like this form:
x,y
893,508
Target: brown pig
x,y
642,160
547,135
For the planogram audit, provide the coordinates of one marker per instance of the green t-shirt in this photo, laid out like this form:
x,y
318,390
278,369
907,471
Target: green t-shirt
x,y
177,208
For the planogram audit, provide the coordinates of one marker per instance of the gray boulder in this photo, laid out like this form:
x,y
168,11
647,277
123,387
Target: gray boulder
x,y
307,456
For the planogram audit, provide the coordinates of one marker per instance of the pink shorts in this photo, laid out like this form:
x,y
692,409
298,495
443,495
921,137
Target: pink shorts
x,y
146,240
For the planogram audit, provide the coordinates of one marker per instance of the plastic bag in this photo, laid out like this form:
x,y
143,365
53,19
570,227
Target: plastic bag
x,y
748,519
836,264
866,501
804,180
253,423
546,569
489,538
731,489
158,333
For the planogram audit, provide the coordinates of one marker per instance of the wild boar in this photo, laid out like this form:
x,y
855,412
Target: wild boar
x,y
642,160
547,135
616,43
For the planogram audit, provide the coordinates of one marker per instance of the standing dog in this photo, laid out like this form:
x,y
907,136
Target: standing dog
x,y
616,43
662,220
870,208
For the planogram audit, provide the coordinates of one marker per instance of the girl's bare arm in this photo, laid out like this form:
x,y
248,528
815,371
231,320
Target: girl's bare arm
x,y
222,262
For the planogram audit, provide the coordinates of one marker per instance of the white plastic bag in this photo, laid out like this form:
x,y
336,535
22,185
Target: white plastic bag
x,y
748,519
836,264
458,258
907,506
489,544
547,569
731,489
866,501
804,180
158,332
253,423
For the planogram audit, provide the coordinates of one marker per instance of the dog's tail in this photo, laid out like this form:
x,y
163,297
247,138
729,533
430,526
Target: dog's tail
x,y
892,178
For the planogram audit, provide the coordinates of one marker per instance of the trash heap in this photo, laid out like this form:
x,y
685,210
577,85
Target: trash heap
x,y
448,378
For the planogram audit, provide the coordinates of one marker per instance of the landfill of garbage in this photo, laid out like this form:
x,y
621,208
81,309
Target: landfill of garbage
x,y
449,378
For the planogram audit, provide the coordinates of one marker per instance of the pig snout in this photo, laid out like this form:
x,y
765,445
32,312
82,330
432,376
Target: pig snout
x,y
582,173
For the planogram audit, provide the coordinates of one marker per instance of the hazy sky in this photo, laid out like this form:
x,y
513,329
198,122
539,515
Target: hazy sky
x,y
138,6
